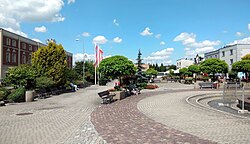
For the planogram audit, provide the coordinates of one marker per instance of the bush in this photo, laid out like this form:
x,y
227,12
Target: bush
x,y
4,93
141,85
17,95
102,81
44,82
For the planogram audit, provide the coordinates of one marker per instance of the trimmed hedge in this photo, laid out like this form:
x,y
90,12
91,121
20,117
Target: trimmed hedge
x,y
17,95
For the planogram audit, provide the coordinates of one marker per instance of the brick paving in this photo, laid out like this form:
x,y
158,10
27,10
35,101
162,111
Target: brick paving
x,y
171,109
121,122
59,119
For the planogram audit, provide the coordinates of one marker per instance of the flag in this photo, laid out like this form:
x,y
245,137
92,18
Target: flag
x,y
98,55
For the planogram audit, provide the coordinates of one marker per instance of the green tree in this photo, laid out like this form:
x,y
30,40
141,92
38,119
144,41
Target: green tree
x,y
246,57
152,72
213,66
50,61
23,75
139,62
242,66
117,67
184,72
172,67
162,68
194,69
89,70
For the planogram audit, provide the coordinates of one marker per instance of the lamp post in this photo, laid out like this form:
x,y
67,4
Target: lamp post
x,y
83,61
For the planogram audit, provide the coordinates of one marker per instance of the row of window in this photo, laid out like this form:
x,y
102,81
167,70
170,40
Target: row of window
x,y
13,43
11,57
231,53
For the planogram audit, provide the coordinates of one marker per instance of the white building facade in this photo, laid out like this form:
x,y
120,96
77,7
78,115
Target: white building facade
x,y
184,62
230,54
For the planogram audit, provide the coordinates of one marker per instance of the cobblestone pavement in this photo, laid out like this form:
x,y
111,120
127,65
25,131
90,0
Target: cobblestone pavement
x,y
172,110
121,122
58,119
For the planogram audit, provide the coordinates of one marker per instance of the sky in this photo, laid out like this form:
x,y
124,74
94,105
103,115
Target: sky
x,y
163,30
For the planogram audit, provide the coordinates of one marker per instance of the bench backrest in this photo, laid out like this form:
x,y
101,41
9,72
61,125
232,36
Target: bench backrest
x,y
103,93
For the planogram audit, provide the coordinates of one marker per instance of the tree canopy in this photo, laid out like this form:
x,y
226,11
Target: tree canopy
x,y
213,66
184,72
194,69
50,61
151,72
246,57
89,70
242,66
116,67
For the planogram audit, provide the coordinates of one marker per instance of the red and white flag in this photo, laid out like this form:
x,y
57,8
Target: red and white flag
x,y
98,55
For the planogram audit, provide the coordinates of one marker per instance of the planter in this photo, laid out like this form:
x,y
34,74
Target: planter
x,y
119,95
29,95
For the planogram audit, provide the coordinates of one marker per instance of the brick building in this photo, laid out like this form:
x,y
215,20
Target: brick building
x,y
16,50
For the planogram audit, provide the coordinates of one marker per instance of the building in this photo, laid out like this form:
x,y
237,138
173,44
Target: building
x,y
184,62
16,50
230,54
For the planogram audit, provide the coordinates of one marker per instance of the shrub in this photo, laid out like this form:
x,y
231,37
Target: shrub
x,y
17,95
4,93
44,82
103,81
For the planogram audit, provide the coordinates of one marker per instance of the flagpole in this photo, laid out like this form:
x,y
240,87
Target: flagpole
x,y
95,62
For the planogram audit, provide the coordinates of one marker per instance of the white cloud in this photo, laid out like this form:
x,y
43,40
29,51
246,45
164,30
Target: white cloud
x,y
225,31
167,62
158,36
164,52
186,38
79,57
85,34
115,22
41,29
205,43
146,32
100,40
16,32
71,1
12,14
117,40
239,34
204,49
193,47
37,40
160,56
241,41
162,43
249,26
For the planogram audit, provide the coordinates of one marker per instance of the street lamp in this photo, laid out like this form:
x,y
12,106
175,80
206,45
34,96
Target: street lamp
x,y
83,61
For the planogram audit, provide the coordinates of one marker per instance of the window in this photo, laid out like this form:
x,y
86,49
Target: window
x,y
30,47
215,56
29,59
24,58
7,41
14,43
8,56
14,56
231,61
231,52
223,53
24,46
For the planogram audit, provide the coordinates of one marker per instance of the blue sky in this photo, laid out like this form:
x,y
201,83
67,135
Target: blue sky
x,y
164,30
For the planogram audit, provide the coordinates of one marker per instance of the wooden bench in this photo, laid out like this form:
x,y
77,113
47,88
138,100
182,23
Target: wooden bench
x,y
206,85
106,96
171,80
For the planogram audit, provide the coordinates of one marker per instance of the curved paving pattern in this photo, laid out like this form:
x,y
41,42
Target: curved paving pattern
x,y
172,110
59,119
121,122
